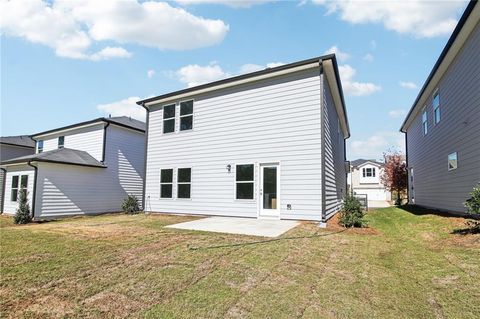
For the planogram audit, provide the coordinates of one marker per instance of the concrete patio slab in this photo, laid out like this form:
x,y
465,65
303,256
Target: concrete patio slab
x,y
242,226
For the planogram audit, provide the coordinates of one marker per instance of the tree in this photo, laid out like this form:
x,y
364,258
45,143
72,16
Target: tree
x,y
22,215
395,176
473,207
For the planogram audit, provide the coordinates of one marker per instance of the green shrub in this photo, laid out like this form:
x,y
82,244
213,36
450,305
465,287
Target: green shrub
x,y
130,205
22,215
473,207
352,214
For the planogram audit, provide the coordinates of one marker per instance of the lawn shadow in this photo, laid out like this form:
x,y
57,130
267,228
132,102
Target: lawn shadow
x,y
420,211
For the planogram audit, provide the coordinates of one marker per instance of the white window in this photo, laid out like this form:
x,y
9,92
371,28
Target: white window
x,y
452,161
169,118
40,146
184,182
166,183
436,107
244,180
186,115
61,141
16,187
368,172
424,121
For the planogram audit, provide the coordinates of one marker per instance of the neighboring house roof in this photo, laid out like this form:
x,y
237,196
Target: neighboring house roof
x,y
20,140
123,121
259,75
446,49
361,161
60,156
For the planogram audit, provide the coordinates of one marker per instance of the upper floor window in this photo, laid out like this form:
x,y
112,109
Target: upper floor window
x,y
186,115
436,107
61,141
368,172
452,161
16,187
184,182
424,121
244,181
40,146
169,118
166,183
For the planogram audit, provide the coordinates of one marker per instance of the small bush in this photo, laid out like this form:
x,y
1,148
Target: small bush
x,y
352,213
22,215
473,207
130,205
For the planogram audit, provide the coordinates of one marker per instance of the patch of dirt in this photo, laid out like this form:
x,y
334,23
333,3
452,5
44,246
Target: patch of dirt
x,y
334,224
445,281
437,308
114,304
50,306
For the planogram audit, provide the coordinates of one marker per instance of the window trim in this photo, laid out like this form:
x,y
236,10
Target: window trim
x,y
160,184
40,149
436,93
364,171
448,161
254,198
425,122
19,186
180,116
63,142
183,183
169,119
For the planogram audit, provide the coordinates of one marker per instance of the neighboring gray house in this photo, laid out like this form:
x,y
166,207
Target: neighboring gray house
x,y
85,168
11,147
268,144
442,129
364,179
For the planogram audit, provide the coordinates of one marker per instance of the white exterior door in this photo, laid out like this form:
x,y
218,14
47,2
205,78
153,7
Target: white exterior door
x,y
269,190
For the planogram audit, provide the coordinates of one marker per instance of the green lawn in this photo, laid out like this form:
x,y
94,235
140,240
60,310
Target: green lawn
x,y
410,266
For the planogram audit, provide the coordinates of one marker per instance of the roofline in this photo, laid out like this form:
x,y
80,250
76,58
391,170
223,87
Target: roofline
x,y
17,145
451,40
253,75
26,161
369,162
99,119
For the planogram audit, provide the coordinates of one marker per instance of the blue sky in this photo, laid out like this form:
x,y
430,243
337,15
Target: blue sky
x,y
66,62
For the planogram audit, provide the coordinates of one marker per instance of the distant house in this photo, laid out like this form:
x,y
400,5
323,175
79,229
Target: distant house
x,y
442,129
268,144
85,168
364,179
11,147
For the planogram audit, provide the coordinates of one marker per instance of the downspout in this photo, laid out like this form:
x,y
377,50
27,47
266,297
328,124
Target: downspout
x,y
104,141
145,156
408,169
34,195
3,189
322,143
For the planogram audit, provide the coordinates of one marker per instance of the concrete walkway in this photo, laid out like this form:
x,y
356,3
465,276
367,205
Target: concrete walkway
x,y
242,226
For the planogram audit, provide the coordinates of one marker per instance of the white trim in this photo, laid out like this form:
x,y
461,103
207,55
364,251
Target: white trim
x,y
180,115
235,183
260,211
183,183
169,118
99,122
160,184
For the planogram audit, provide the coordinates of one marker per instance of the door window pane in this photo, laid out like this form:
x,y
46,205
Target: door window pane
x,y
270,188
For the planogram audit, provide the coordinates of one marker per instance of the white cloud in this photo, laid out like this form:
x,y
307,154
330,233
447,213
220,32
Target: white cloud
x,y
230,3
397,113
125,107
423,19
72,27
195,74
373,44
150,73
352,87
341,56
274,64
375,145
250,67
408,85
368,57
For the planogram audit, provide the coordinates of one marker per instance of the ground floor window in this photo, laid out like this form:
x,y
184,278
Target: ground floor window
x,y
184,182
244,180
19,184
166,183
452,161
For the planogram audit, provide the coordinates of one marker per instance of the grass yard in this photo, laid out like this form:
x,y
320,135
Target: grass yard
x,y
407,266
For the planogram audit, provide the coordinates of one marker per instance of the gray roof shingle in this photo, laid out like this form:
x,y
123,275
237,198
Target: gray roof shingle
x,y
60,156
19,140
361,161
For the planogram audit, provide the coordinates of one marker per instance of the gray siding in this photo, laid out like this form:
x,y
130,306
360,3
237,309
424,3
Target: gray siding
x,y
270,121
2,188
335,174
458,131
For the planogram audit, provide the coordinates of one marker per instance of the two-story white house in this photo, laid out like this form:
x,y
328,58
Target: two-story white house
x,y
364,179
268,144
11,147
85,168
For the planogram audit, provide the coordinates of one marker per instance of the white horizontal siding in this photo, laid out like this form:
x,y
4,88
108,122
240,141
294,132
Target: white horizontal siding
x,y
9,206
89,139
276,120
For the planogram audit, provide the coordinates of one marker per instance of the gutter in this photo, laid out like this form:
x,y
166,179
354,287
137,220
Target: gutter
x,y
104,141
34,195
3,189
145,155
